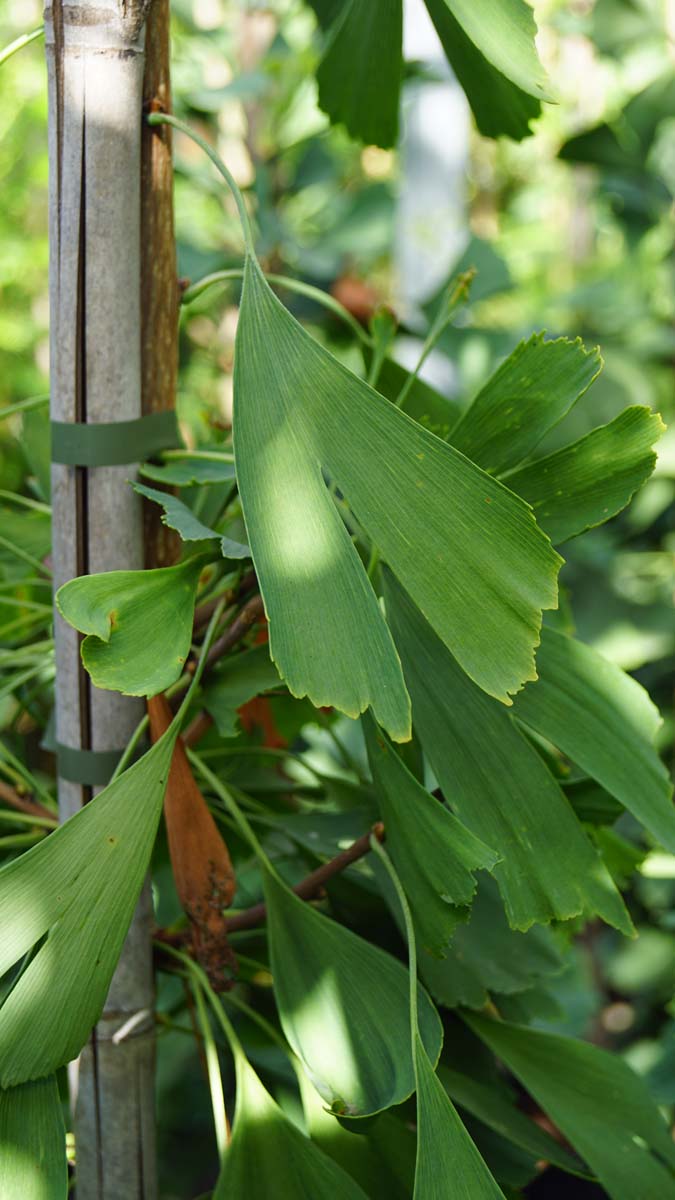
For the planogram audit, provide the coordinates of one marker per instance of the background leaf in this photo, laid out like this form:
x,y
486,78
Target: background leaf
x,y
606,723
529,393
181,518
364,97
596,1101
590,481
433,853
499,786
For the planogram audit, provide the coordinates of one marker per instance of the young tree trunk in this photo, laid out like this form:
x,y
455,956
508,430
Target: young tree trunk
x,y
95,51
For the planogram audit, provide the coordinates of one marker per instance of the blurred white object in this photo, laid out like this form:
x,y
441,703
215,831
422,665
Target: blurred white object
x,y
431,223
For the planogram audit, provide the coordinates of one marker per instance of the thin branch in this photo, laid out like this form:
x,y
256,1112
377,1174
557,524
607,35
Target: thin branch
x,y
252,611
313,883
24,804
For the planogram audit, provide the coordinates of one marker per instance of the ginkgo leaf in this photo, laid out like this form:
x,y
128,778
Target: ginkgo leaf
x,y
33,1142
606,723
269,1156
343,1005
239,678
487,956
591,480
433,853
598,1103
499,106
449,1167
69,900
205,467
138,624
504,32
498,785
490,1104
529,393
181,518
469,551
365,97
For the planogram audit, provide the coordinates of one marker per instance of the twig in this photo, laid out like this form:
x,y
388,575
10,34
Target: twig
x,y
252,611
204,612
313,883
197,728
32,808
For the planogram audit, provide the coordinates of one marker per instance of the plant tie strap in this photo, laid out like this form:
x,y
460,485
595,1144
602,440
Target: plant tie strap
x,y
114,443
92,768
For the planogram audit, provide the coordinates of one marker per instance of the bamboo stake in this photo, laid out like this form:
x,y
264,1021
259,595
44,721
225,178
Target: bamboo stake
x,y
95,62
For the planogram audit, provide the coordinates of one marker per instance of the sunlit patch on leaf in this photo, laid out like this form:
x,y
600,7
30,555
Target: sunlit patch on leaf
x,y
32,1142
67,904
269,1157
343,1005
143,651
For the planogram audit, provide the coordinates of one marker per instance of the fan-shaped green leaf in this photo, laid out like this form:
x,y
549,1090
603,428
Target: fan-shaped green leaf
x,y
66,905
606,723
468,550
32,1142
487,956
343,1005
181,518
499,786
596,1101
499,106
433,853
449,1167
239,678
531,391
591,480
138,625
269,1157
360,73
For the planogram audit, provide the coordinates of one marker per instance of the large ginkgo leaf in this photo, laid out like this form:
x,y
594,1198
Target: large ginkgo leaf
x,y
65,909
138,625
596,1101
591,480
469,551
529,393
498,104
360,73
269,1157
606,723
343,1005
32,1142
499,786
435,856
